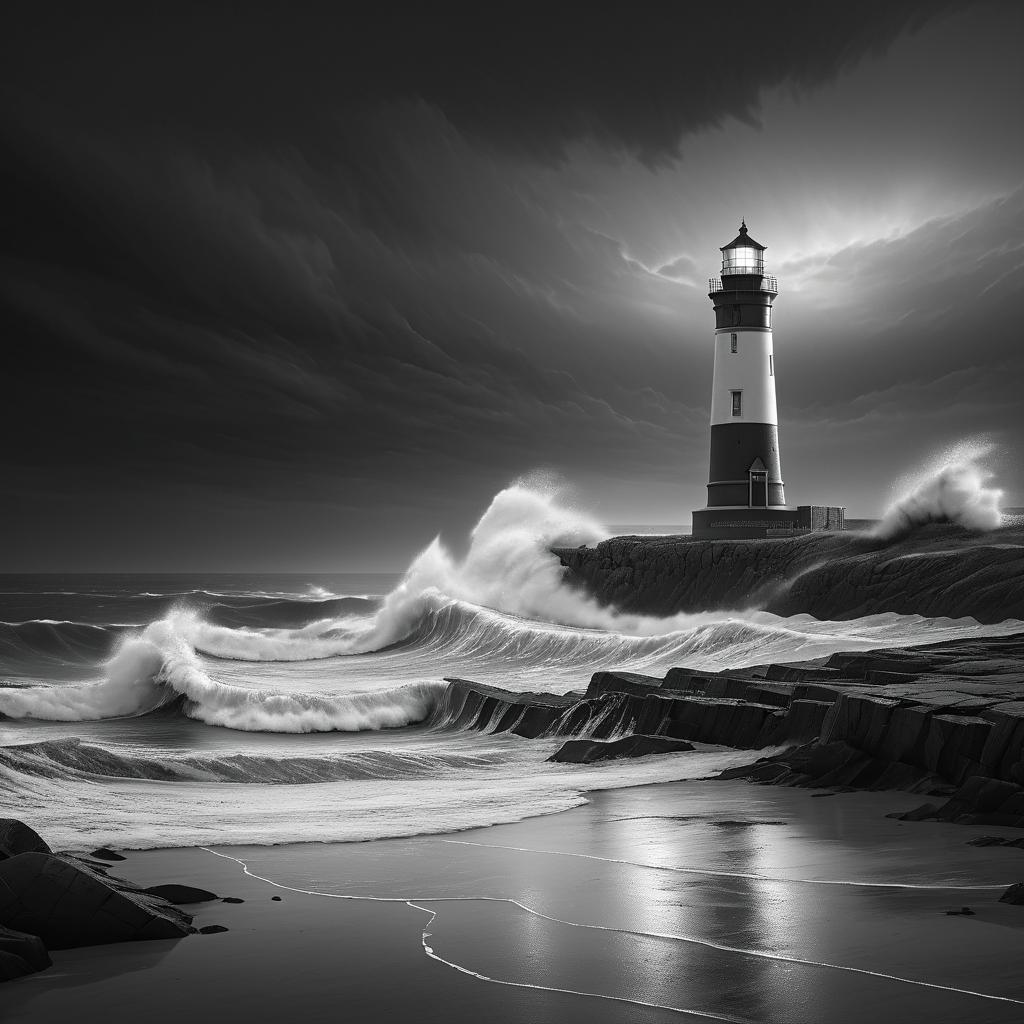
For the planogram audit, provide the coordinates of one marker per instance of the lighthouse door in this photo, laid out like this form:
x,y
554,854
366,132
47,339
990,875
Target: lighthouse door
x,y
758,489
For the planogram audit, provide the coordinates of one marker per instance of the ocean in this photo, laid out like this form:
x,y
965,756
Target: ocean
x,y
166,710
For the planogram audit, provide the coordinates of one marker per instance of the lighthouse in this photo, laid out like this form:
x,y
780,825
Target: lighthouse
x,y
746,493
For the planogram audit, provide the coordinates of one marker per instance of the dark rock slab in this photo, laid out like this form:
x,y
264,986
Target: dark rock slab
x,y
212,929
779,694
470,705
996,841
13,966
16,837
104,854
589,751
181,895
29,948
979,801
926,812
1014,895
622,682
67,904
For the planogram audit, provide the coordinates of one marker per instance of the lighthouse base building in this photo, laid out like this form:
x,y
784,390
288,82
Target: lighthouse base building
x,y
751,523
746,492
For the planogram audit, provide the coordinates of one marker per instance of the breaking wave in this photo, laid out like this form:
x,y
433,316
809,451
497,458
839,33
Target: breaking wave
x,y
503,605
954,488
164,664
71,756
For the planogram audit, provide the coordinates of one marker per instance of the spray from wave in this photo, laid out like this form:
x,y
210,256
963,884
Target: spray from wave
x,y
953,488
509,568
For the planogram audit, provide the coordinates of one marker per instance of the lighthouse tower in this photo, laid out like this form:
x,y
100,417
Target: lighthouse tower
x,y
746,497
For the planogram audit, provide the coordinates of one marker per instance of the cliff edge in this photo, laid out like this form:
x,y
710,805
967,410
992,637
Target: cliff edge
x,y
937,570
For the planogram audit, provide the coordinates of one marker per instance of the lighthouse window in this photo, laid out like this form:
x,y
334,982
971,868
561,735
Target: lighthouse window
x,y
737,403
771,366
732,343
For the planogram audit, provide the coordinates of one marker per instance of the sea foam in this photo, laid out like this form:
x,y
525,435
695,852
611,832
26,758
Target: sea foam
x,y
953,488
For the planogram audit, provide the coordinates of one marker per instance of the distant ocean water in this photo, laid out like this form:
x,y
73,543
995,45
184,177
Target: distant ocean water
x,y
170,710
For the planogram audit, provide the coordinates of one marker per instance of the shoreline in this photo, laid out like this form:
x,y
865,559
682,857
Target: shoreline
x,y
514,922
814,900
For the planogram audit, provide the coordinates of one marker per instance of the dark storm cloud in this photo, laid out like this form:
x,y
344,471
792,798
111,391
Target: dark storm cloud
x,y
528,79
280,279
261,325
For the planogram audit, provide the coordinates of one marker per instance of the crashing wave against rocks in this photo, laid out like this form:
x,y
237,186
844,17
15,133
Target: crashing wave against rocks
x,y
942,718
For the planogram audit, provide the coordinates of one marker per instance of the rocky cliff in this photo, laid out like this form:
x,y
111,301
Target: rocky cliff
x,y
936,570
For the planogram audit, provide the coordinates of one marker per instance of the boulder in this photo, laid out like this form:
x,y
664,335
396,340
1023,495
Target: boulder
x,y
16,837
181,895
13,966
29,948
588,751
923,813
104,854
68,904
1014,895
634,683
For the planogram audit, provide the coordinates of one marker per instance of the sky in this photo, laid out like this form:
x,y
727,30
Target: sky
x,y
287,288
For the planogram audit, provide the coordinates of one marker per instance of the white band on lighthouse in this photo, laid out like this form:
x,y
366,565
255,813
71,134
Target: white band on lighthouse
x,y
750,371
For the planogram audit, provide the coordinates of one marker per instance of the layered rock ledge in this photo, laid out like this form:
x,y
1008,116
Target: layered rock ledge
x,y
937,570
945,718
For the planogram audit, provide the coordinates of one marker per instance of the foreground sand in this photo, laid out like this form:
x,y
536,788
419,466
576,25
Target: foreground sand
x,y
715,900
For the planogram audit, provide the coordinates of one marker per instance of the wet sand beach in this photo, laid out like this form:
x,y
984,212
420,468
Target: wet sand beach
x,y
708,900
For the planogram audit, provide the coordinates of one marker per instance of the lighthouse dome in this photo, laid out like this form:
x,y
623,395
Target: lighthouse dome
x,y
743,255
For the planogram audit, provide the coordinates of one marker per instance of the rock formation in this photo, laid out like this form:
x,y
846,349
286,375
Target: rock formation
x,y
67,903
940,718
21,954
1014,895
936,570
181,895
16,837
58,901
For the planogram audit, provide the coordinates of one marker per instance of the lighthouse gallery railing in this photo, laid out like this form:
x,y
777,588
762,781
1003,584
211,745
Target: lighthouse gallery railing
x,y
769,283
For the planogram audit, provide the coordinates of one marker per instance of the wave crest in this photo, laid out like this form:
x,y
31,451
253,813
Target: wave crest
x,y
953,489
161,666
59,759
